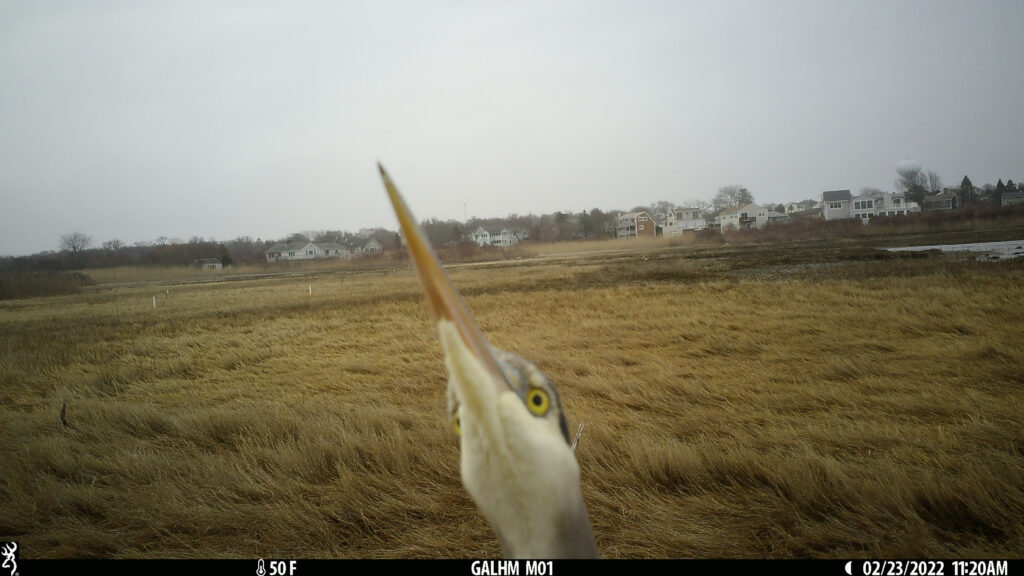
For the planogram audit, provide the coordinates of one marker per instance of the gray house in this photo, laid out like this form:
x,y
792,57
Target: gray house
x,y
305,251
1013,198
836,204
947,200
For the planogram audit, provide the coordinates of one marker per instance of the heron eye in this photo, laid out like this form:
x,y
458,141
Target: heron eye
x,y
457,424
537,401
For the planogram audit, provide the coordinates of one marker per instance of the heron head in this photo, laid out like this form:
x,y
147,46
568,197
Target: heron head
x,y
516,460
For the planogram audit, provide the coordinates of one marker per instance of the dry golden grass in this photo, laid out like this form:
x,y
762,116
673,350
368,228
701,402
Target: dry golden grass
x,y
744,404
605,245
125,275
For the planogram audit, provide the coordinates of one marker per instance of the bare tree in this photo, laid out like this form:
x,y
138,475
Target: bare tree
x,y
934,182
329,236
75,242
663,207
113,245
729,196
702,205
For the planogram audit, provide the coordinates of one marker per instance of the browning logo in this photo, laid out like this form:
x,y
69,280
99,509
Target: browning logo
x,y
9,550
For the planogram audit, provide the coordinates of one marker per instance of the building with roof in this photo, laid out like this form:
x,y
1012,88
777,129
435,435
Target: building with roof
x,y
503,237
352,246
209,264
635,225
749,216
836,205
945,200
1012,198
681,220
840,204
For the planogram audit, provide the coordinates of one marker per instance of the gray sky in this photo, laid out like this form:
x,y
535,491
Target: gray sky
x,y
135,120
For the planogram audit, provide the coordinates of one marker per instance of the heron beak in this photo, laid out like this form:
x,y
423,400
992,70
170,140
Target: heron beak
x,y
445,301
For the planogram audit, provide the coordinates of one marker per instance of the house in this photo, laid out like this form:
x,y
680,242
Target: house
x,y
481,236
946,200
361,246
209,264
634,225
839,204
1013,198
814,212
357,246
303,251
503,237
775,217
313,250
836,205
682,220
749,216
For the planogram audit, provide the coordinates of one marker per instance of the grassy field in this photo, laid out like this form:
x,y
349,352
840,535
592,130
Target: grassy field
x,y
814,399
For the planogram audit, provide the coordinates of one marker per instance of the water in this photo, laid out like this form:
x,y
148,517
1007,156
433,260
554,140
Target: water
x,y
988,250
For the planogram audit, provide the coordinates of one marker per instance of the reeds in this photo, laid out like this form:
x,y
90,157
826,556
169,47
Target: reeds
x,y
804,403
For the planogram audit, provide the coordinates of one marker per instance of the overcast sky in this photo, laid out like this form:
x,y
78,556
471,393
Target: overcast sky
x,y
135,120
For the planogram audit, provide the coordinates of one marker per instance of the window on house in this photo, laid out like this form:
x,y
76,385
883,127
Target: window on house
x,y
895,201
640,227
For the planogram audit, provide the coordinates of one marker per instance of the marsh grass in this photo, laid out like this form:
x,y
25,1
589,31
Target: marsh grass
x,y
15,285
812,401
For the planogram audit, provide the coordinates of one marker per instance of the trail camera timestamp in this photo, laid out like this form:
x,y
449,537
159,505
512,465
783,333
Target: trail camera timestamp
x,y
934,568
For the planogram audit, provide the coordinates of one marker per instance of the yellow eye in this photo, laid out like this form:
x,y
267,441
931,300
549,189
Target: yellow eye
x,y
457,424
537,401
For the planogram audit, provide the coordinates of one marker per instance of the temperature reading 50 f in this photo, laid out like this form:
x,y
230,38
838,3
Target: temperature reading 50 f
x,y
281,567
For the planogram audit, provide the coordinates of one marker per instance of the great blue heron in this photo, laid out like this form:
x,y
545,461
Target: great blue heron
x,y
516,460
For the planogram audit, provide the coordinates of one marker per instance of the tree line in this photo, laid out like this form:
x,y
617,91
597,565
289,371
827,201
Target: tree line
x,y
78,250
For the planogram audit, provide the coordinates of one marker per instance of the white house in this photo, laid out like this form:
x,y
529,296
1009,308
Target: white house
x,y
481,236
683,220
305,251
839,204
315,250
370,246
801,206
504,237
749,216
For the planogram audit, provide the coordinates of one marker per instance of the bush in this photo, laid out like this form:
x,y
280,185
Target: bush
x,y
33,284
